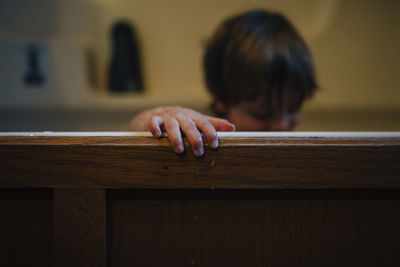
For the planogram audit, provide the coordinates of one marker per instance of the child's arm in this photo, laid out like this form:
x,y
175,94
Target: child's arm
x,y
177,121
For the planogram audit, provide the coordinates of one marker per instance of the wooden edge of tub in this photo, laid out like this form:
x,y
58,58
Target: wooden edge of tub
x,y
243,161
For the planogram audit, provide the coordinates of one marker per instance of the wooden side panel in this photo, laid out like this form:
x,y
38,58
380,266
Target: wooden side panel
x,y
261,201
241,166
158,228
254,228
26,227
79,227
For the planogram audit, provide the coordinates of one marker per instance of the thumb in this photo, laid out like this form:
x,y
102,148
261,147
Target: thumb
x,y
222,125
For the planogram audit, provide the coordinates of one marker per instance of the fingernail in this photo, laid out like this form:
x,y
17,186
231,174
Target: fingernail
x,y
179,149
214,144
199,152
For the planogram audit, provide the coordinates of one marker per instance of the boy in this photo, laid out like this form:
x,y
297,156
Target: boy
x,y
259,71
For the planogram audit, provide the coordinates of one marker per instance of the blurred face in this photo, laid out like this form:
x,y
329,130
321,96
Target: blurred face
x,y
249,116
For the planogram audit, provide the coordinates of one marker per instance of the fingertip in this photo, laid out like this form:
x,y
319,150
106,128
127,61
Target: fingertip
x,y
178,145
198,152
198,146
228,127
179,148
214,143
154,126
222,124
156,133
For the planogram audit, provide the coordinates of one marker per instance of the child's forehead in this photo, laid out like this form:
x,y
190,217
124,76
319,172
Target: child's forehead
x,y
256,108
259,108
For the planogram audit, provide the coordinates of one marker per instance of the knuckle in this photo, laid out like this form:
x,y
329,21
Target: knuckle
x,y
153,119
177,114
202,121
191,125
170,121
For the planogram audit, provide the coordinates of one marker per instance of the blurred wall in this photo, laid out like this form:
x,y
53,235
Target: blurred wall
x,y
354,43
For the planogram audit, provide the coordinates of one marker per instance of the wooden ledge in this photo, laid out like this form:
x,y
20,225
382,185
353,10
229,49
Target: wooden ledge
x,y
243,160
226,138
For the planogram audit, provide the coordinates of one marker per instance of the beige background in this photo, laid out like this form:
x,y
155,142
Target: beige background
x,y
355,45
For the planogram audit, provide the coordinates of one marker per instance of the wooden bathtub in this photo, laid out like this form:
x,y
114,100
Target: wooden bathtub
x,y
260,199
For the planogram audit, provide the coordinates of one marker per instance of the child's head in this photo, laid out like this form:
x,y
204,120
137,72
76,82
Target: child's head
x,y
259,71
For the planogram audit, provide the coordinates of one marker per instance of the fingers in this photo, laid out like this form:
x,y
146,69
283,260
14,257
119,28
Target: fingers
x,y
174,134
155,123
222,125
193,135
208,129
175,120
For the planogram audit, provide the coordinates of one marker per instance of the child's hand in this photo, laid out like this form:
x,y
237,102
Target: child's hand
x,y
177,121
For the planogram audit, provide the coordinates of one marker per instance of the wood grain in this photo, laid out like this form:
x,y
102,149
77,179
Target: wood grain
x,y
295,200
79,227
340,227
25,227
248,162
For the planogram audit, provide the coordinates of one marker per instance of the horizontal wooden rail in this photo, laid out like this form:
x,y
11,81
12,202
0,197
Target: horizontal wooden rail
x,y
243,160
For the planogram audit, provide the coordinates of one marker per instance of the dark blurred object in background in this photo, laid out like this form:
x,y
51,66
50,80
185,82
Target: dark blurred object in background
x,y
125,69
34,75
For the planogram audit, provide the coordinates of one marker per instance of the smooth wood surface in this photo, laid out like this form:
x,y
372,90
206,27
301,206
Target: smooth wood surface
x,y
239,162
254,228
25,227
79,227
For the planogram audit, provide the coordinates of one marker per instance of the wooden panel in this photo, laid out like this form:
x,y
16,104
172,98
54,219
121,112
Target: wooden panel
x,y
79,227
173,218
254,228
26,227
158,228
240,162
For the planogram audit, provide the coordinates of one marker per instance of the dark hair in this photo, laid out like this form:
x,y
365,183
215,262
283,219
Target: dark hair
x,y
256,55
